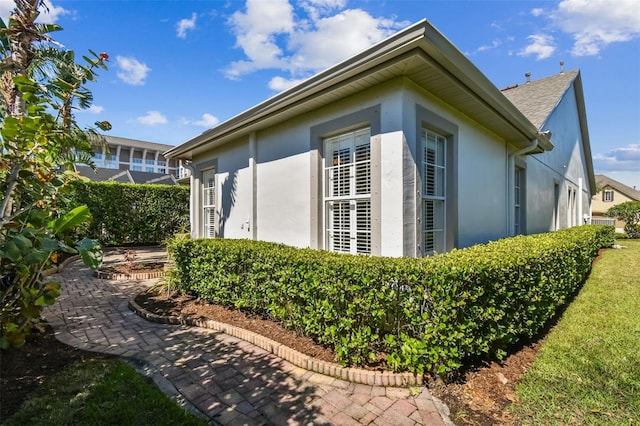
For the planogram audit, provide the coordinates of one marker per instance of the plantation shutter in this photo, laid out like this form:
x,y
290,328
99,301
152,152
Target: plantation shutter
x,y
348,192
209,202
433,192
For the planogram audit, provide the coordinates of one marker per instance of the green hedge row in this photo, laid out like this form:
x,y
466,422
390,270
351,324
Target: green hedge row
x,y
131,213
427,314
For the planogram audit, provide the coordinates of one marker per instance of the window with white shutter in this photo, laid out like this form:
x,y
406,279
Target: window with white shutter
x,y
347,165
518,198
209,203
434,148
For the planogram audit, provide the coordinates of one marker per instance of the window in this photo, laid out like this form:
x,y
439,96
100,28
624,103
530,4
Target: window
x,y
434,148
111,161
209,202
137,160
136,168
149,169
518,205
607,196
347,166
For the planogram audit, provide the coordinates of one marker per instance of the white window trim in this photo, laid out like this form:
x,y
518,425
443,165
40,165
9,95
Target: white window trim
x,y
440,199
209,201
355,245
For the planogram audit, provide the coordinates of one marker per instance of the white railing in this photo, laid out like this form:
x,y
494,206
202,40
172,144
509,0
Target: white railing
x,y
603,221
183,172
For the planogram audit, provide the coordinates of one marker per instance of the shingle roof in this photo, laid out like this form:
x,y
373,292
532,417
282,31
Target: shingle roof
x,y
629,192
538,98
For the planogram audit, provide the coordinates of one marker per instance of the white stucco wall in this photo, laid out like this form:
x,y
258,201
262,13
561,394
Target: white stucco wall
x,y
564,166
481,172
282,176
274,200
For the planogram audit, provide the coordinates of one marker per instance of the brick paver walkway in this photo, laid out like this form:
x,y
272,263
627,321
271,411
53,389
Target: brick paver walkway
x,y
228,380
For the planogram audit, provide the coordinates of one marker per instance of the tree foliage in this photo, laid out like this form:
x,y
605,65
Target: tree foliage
x,y
40,87
629,213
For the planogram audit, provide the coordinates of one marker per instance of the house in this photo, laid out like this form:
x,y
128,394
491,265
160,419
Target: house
x,y
404,149
133,161
610,193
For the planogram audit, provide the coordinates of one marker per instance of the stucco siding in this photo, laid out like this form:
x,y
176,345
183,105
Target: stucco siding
x,y
282,180
564,166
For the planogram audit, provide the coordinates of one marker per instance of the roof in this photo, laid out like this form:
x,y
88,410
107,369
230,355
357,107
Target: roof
x,y
125,176
420,54
115,140
604,181
538,98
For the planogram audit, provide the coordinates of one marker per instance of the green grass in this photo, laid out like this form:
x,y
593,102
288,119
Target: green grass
x,y
588,369
101,392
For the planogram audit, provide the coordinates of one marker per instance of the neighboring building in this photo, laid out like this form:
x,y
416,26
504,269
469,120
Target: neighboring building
x,y
404,149
610,193
132,161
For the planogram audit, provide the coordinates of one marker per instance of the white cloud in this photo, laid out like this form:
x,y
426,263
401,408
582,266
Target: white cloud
x,y
279,84
274,36
625,158
537,11
185,24
541,45
49,13
152,118
207,120
594,24
93,109
132,71
256,31
493,45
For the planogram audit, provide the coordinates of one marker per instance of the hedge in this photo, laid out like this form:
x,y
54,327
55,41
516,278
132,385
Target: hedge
x,y
125,214
423,315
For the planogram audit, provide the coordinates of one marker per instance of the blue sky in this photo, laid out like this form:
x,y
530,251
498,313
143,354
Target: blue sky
x,y
179,67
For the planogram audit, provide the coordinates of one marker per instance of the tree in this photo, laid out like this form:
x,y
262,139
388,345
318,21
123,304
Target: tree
x,y
40,86
629,212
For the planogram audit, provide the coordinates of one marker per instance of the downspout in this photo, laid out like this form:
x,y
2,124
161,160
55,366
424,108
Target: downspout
x,y
192,198
510,179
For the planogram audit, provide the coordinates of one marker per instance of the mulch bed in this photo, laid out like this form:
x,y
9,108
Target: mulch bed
x,y
162,303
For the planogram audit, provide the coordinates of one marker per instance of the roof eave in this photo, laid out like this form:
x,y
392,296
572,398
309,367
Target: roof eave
x,y
421,35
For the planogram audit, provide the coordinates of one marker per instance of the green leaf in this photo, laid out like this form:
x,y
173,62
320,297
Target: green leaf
x,y
90,252
70,220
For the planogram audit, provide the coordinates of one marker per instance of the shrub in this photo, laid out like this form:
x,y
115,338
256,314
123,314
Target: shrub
x,y
126,214
427,314
629,212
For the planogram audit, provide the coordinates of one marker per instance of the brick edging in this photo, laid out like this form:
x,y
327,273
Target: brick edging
x,y
61,266
354,375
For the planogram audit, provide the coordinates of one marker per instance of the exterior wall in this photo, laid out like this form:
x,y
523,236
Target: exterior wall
x,y
551,176
599,206
478,164
269,183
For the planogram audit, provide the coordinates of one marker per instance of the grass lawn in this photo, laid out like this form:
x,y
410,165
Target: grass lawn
x,y
588,369
100,392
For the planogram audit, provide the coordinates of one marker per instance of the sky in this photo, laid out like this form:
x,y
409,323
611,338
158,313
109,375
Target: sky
x,y
177,68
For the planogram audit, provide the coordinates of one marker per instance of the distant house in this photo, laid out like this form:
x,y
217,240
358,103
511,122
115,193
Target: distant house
x,y
132,161
611,193
404,149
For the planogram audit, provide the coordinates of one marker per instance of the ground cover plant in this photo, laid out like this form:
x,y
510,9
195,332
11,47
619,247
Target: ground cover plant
x,y
588,369
420,315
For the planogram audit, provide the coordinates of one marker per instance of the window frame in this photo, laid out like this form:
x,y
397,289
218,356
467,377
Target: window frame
x,y
209,203
342,186
437,200
605,195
